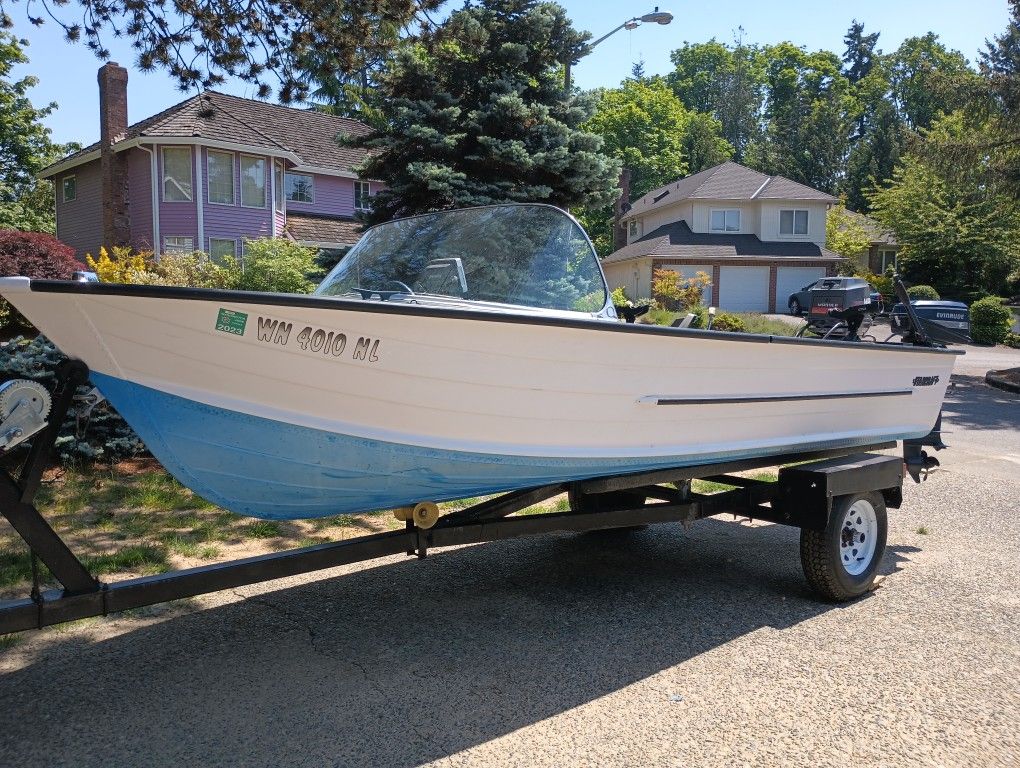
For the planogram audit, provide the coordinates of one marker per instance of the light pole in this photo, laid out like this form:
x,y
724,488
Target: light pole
x,y
655,17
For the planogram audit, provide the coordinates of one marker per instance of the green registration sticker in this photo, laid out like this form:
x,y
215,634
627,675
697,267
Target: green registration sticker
x,y
230,321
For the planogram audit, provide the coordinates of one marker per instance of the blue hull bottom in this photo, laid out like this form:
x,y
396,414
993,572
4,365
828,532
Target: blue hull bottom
x,y
271,469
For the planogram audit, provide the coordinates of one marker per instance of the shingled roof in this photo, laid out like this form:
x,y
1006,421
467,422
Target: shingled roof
x,y
678,241
308,135
727,181
313,228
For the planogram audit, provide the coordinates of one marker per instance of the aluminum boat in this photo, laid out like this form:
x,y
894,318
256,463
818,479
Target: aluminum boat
x,y
457,354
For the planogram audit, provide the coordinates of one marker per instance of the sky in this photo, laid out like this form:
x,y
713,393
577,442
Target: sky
x,y
67,72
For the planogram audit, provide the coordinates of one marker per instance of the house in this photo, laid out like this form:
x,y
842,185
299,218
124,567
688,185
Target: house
x,y
882,251
759,237
208,174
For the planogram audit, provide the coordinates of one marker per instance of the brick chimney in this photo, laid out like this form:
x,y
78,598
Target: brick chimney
x,y
620,207
113,122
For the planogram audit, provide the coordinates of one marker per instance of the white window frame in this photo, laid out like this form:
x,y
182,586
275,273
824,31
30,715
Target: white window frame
x,y
724,212
63,188
279,188
882,252
634,230
181,244
208,173
311,188
366,192
265,180
164,178
233,246
793,222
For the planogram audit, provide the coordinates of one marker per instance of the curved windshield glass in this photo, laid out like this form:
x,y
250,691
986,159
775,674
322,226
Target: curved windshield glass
x,y
529,255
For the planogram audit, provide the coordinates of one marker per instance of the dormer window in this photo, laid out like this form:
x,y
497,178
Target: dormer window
x,y
793,222
725,220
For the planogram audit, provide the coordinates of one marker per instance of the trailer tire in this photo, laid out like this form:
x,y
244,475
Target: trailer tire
x,y
840,562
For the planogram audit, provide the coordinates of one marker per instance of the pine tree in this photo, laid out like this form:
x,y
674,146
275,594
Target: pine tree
x,y
860,53
476,113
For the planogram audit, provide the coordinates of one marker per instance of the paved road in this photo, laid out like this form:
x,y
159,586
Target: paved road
x,y
665,648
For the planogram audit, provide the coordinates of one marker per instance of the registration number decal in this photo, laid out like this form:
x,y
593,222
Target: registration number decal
x,y
231,321
329,343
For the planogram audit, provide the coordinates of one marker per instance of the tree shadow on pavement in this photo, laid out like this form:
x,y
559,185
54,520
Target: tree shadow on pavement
x,y
972,403
409,661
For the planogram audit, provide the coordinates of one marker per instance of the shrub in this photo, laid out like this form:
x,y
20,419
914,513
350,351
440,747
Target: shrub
x,y
279,266
1012,340
190,270
990,321
619,297
883,284
924,292
35,255
724,321
119,265
677,292
106,438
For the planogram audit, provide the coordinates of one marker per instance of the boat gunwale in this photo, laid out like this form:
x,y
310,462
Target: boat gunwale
x,y
417,310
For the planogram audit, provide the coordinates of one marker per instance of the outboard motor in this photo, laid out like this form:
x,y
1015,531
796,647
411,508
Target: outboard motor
x,y
944,322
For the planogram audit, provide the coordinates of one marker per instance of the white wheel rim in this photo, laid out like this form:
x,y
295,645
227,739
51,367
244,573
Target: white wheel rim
x,y
858,537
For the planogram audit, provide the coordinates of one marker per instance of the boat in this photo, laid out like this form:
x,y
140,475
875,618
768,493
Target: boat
x,y
453,355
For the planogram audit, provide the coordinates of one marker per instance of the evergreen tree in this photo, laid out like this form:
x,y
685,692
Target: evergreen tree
x,y
874,156
860,53
475,112
637,70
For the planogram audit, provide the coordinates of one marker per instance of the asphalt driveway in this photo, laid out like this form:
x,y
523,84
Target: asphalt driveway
x,y
666,647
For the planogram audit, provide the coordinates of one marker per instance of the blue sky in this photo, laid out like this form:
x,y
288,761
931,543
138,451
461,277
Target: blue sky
x,y
67,73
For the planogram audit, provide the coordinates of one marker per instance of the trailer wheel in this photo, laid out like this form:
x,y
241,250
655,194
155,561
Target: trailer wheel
x,y
840,562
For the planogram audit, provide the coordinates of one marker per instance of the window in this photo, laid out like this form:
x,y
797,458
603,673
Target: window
x,y
253,181
70,187
221,177
278,193
887,261
178,244
220,248
726,220
635,228
362,195
177,174
793,222
300,190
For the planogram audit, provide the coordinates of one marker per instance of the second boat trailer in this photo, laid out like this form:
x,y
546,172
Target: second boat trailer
x,y
838,499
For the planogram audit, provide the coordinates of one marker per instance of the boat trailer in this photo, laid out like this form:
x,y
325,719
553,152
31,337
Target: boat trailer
x,y
837,497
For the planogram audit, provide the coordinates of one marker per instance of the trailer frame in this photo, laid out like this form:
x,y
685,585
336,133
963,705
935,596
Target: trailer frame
x,y
803,496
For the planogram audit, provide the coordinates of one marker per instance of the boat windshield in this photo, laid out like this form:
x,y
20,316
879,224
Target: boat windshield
x,y
527,255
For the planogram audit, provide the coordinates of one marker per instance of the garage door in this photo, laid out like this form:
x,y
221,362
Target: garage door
x,y
744,289
789,280
689,271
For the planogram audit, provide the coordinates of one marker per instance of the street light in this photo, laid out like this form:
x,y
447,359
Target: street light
x,y
655,17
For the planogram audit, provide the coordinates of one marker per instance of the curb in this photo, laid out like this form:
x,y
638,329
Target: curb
x,y
996,379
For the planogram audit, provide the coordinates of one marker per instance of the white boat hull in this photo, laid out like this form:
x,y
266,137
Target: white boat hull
x,y
301,406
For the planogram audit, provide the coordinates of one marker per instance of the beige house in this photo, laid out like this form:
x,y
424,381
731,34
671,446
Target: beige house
x,y
759,237
883,248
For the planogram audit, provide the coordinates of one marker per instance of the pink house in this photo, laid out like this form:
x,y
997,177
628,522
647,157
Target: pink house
x,y
208,174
